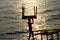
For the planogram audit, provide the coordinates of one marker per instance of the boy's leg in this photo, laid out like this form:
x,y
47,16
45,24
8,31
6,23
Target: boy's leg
x,y
29,36
33,35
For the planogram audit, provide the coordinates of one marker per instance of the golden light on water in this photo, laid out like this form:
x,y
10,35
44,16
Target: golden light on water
x,y
29,10
12,24
39,23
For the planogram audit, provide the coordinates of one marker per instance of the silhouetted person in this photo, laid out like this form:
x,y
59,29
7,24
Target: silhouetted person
x,y
30,20
30,29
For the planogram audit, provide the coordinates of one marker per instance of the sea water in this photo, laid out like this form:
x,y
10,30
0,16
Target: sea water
x,y
48,17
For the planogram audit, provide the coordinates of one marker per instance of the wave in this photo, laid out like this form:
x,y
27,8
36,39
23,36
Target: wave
x,y
13,33
52,10
54,17
9,17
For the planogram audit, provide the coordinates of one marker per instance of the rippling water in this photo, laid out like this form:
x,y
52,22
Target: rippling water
x,y
11,17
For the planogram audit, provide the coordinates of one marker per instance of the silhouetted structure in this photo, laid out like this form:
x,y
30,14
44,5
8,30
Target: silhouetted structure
x,y
49,32
30,20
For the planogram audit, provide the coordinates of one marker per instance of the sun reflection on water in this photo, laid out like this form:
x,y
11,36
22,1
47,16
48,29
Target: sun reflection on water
x,y
39,23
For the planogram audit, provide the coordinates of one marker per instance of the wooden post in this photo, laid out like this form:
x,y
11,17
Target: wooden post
x,y
51,37
41,37
47,37
57,36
